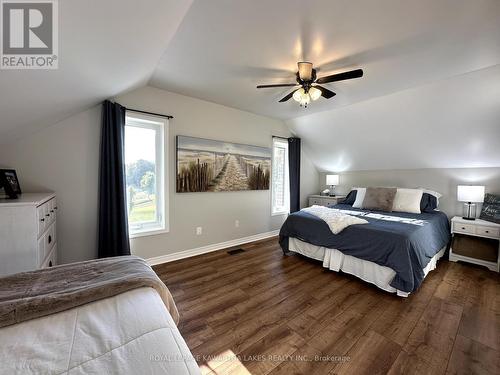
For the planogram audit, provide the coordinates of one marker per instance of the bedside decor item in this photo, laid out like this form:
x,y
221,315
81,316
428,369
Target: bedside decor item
x,y
491,208
10,183
332,180
470,195
208,165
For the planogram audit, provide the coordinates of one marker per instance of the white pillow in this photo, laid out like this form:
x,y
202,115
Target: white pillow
x,y
407,200
360,197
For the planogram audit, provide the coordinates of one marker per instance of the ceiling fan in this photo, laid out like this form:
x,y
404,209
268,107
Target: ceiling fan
x,y
309,88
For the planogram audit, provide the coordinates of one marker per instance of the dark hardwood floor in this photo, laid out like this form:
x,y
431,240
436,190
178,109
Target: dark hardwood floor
x,y
259,312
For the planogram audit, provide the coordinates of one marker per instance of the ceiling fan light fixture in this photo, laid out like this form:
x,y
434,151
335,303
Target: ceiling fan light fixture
x,y
305,70
305,100
297,95
314,93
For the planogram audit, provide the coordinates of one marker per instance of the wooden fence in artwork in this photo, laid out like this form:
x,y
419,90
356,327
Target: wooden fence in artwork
x,y
258,176
195,177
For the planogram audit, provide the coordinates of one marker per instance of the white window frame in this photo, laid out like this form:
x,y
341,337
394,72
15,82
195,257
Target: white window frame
x,y
159,125
282,210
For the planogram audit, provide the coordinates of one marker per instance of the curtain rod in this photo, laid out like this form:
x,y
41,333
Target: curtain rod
x,y
149,113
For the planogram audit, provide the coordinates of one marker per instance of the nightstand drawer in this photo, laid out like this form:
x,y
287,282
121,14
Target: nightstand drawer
x,y
316,201
487,231
464,228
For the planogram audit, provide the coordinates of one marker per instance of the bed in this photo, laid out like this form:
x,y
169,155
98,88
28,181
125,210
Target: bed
x,y
393,251
129,332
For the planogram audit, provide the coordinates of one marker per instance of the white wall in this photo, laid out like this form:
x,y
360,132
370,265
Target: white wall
x,y
65,158
214,212
444,181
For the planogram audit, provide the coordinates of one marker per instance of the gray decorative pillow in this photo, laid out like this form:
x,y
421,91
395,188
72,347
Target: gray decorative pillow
x,y
379,199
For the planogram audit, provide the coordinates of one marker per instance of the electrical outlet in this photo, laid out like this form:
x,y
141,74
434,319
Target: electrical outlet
x,y
199,231
236,223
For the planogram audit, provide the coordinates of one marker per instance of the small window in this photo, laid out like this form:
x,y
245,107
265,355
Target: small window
x,y
280,185
147,192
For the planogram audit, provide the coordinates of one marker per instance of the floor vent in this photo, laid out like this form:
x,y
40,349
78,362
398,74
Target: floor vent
x,y
235,251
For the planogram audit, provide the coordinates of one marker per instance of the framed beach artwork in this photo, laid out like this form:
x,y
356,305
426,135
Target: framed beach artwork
x,y
207,165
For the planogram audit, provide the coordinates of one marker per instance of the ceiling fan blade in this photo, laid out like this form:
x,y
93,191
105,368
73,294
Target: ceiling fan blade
x,y
288,97
277,85
341,76
325,93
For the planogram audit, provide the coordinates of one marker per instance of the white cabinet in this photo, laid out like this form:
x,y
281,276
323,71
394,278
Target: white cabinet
x,y
475,241
28,233
324,200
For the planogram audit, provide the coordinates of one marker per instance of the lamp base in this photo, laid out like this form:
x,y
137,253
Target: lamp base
x,y
469,218
332,191
469,211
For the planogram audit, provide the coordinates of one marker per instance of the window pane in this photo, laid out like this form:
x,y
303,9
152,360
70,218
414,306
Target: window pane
x,y
140,161
280,188
279,177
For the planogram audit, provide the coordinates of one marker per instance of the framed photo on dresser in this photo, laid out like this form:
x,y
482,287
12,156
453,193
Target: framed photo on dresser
x,y
10,182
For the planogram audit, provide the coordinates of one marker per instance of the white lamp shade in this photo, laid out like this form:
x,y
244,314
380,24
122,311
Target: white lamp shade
x,y
332,179
314,93
467,193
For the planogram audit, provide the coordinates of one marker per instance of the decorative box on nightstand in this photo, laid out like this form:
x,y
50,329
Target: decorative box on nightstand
x,y
324,200
476,241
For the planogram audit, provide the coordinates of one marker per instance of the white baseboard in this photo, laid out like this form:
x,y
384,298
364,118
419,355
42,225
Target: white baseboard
x,y
209,248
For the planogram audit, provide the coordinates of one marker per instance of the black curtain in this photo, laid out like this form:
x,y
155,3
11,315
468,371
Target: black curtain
x,y
294,173
113,221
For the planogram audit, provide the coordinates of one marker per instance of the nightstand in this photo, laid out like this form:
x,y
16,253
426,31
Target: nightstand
x,y
325,200
475,241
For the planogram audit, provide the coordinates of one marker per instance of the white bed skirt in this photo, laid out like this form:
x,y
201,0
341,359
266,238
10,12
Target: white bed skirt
x,y
370,272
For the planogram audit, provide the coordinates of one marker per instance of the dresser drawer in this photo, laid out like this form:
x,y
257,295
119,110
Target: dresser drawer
x,y
46,243
464,228
52,210
51,260
41,251
487,231
42,223
46,215
50,238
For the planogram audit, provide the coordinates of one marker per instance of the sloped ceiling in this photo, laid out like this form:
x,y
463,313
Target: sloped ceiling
x,y
429,97
106,47
224,48
452,123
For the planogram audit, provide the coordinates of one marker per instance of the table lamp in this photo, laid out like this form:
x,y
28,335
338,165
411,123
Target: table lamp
x,y
332,180
470,195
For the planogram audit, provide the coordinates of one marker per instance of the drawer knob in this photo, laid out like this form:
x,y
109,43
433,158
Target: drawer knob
x,y
51,210
47,215
42,219
486,231
463,228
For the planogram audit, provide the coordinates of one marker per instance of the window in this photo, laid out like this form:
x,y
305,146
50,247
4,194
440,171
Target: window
x,y
280,186
147,192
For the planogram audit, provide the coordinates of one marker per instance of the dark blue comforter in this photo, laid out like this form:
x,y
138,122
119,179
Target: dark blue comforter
x,y
406,247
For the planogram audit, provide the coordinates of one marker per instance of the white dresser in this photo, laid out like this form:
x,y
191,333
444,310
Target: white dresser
x,y
28,238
